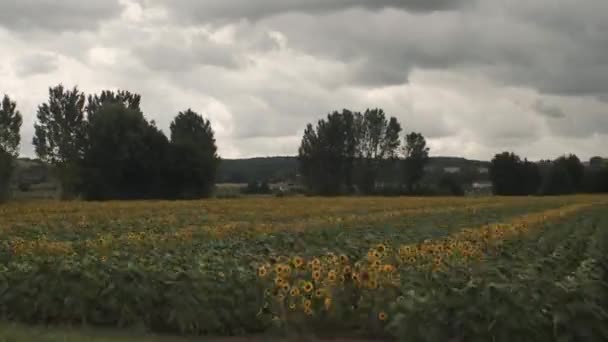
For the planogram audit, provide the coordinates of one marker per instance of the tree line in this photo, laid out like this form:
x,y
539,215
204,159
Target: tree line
x,y
565,175
102,147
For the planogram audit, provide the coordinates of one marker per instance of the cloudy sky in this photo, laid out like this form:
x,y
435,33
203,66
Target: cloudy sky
x,y
474,76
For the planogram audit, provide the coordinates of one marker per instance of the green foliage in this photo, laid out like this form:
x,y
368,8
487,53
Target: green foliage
x,y
416,157
558,181
377,141
511,176
10,124
543,287
128,99
126,156
348,149
327,154
564,176
194,159
60,135
261,188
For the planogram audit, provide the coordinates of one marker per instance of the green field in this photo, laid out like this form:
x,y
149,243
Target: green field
x,y
419,269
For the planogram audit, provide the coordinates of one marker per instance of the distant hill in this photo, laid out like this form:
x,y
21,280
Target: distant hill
x,y
274,169
285,169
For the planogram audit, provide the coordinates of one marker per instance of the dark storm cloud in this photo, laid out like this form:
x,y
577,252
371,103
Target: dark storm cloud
x,y
54,15
258,9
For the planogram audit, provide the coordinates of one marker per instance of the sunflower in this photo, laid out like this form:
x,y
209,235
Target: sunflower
x,y
355,277
316,275
294,292
298,261
307,303
285,287
347,269
307,287
308,311
279,281
376,263
319,293
331,275
262,272
343,258
382,316
292,306
377,255
316,262
381,248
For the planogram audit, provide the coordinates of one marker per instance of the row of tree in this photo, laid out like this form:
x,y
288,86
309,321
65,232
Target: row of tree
x,y
345,152
102,147
565,175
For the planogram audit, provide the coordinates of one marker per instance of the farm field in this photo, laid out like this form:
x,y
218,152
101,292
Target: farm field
x,y
420,269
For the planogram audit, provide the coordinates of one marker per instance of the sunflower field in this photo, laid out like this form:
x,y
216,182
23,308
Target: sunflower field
x,y
416,269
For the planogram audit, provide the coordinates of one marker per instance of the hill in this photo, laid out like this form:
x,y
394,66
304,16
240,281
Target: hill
x,y
285,168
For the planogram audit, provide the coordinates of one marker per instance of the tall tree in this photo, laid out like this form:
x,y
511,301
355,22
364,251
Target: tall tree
x,y
60,135
378,142
575,169
127,157
10,125
505,174
195,158
327,153
416,157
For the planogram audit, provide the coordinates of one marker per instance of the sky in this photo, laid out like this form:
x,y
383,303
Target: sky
x,y
475,77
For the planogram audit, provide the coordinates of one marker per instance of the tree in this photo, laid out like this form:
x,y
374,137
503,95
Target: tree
x,y
126,157
530,178
195,159
564,176
10,125
574,167
558,181
505,174
60,135
327,153
416,157
378,141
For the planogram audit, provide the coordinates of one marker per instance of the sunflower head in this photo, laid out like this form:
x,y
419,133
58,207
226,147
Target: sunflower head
x,y
262,271
382,316
294,292
298,262
316,275
307,287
